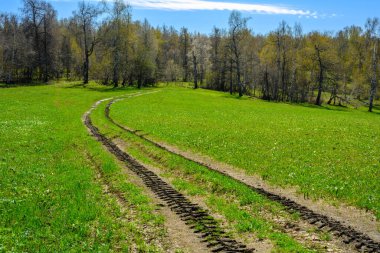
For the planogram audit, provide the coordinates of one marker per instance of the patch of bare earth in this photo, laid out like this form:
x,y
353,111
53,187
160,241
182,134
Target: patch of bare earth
x,y
300,230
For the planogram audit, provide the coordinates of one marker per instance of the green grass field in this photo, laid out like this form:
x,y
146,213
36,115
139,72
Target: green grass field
x,y
50,197
328,152
241,208
52,172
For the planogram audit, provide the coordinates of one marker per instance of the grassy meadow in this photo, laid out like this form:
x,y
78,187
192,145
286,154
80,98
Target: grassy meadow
x,y
327,152
243,212
51,199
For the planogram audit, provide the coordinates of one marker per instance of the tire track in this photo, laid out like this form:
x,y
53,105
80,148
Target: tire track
x,y
348,235
194,216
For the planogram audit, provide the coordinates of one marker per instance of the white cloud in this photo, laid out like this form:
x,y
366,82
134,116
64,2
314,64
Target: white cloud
x,y
183,5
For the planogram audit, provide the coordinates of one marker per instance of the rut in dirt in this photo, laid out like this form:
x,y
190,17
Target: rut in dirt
x,y
196,217
348,235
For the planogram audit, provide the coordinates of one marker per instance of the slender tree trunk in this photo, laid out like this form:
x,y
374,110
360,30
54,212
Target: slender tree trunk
x,y
139,81
266,93
223,77
86,56
283,81
195,71
46,75
374,77
239,80
277,83
231,74
116,64
320,82
124,82
116,56
115,78
186,63
184,55
202,75
237,58
85,69
293,85
331,99
37,44
320,77
13,68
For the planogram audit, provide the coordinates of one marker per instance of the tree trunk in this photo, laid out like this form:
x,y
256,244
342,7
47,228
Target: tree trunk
x,y
223,77
116,57
239,82
238,69
202,75
46,75
195,71
283,81
115,78
85,69
139,81
13,68
37,43
278,61
231,81
374,77
320,82
86,56
266,89
320,77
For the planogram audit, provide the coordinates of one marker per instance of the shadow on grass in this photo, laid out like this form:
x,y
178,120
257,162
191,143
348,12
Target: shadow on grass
x,y
104,88
376,107
16,85
235,96
339,108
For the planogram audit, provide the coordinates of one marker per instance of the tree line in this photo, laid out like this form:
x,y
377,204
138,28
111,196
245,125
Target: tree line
x,y
102,42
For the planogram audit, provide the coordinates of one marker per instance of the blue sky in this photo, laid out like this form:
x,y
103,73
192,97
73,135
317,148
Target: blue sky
x,y
202,15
